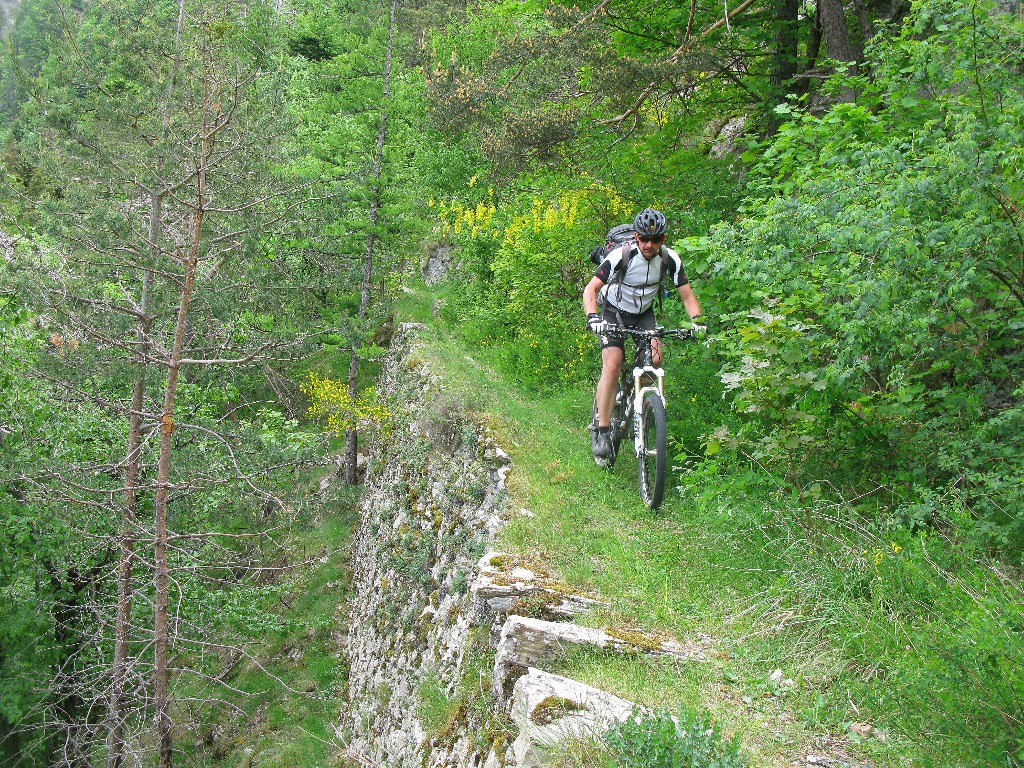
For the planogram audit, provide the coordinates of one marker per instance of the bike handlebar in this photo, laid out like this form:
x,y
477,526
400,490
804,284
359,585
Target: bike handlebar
x,y
653,333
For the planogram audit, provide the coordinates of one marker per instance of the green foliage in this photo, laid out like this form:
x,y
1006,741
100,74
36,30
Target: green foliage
x,y
523,265
659,740
516,267
873,280
537,84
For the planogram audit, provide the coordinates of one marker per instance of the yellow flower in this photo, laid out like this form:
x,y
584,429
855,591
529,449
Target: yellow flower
x,y
896,548
331,403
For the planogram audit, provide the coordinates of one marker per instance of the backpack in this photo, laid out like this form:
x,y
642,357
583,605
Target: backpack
x,y
617,236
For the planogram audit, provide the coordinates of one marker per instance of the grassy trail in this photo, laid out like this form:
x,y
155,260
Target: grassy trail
x,y
684,570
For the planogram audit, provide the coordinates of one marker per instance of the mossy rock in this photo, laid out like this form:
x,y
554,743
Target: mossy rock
x,y
554,708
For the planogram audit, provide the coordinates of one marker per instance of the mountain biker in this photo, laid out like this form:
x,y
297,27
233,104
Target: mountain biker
x,y
630,286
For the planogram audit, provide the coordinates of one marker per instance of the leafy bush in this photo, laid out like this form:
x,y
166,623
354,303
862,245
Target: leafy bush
x,y
657,740
524,265
874,281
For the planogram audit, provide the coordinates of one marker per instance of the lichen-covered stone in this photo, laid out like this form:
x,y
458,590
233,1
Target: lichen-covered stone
x,y
528,642
548,709
502,580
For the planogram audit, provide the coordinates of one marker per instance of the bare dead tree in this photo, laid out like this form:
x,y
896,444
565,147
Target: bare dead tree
x,y
133,460
149,291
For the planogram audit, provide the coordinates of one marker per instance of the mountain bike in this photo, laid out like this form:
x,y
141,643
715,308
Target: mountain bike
x,y
639,408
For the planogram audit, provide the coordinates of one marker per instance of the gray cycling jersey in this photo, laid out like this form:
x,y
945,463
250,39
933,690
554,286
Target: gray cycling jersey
x,y
636,291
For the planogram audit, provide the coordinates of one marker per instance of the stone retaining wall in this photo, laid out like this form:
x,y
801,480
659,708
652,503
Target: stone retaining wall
x,y
442,672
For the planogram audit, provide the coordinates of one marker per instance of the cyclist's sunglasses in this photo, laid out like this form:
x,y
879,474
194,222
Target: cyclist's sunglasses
x,y
650,238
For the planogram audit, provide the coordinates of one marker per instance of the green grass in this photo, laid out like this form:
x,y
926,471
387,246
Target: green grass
x,y
437,711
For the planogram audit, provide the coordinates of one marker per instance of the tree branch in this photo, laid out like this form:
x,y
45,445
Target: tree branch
x,y
673,59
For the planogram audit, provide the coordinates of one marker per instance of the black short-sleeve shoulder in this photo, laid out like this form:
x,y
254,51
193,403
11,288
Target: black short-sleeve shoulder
x,y
674,267
615,260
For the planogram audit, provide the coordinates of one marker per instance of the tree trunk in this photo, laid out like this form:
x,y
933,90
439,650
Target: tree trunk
x,y
161,623
785,54
806,84
784,35
351,437
814,44
867,28
161,690
835,31
133,462
837,38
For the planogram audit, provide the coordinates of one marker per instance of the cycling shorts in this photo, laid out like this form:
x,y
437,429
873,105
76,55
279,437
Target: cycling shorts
x,y
645,321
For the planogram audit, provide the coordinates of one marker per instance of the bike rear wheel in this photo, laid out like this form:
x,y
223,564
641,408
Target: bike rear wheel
x,y
653,459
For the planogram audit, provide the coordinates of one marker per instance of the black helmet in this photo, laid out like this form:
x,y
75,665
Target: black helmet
x,y
650,222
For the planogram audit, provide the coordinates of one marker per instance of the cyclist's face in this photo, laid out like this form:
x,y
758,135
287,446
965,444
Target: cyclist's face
x,y
649,248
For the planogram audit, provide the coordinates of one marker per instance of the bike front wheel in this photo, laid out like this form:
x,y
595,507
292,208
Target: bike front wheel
x,y
652,459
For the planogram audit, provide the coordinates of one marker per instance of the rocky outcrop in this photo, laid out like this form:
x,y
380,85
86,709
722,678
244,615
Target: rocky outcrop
x,y
438,264
443,668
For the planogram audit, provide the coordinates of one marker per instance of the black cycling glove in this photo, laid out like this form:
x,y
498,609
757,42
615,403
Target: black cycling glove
x,y
595,324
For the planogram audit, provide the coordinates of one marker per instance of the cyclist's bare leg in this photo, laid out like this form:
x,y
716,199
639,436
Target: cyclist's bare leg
x,y
611,364
656,352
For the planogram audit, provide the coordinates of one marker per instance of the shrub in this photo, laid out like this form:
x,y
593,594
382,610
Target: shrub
x,y
873,286
657,740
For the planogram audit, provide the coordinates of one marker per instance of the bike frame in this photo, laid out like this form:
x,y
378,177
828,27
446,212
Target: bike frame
x,y
639,389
